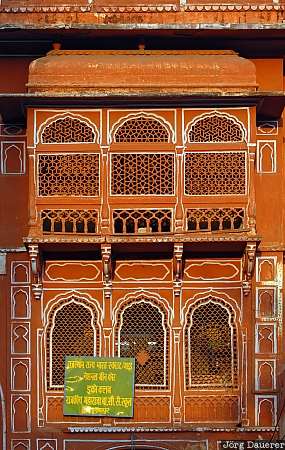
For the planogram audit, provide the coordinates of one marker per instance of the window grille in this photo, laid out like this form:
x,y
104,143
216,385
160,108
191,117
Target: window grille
x,y
142,129
136,221
69,221
215,173
68,175
72,330
67,130
215,128
142,174
142,333
211,346
215,219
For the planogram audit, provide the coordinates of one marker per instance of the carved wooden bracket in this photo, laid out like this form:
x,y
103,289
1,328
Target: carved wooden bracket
x,y
249,263
177,262
107,265
37,287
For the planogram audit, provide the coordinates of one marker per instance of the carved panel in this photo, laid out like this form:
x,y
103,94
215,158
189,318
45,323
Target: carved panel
x,y
74,175
267,128
266,338
266,302
68,129
21,418
46,444
20,338
12,129
20,444
215,173
265,375
74,221
72,271
266,268
136,221
213,270
266,410
142,174
132,271
212,409
266,156
13,158
20,374
54,413
20,302
215,127
142,129
150,410
215,219
20,272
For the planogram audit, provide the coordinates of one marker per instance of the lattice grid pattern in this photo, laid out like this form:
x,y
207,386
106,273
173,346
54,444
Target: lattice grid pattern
x,y
142,174
69,332
215,173
68,175
215,219
69,221
67,130
136,221
211,347
142,333
141,129
215,128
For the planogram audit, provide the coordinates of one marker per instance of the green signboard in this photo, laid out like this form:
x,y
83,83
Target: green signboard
x,y
99,386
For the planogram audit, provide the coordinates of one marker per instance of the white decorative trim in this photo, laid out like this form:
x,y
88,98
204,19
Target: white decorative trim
x,y
20,147
64,115
136,115
211,114
261,145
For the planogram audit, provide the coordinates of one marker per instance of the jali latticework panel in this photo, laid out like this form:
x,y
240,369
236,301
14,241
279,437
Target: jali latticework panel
x,y
215,128
215,173
141,129
68,175
72,330
69,221
212,409
67,130
211,346
136,221
143,335
142,174
215,219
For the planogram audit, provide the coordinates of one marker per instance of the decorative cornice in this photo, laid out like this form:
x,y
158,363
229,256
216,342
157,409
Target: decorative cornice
x,y
199,429
141,8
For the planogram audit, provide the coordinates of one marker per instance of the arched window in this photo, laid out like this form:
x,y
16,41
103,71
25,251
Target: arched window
x,y
68,129
211,346
142,129
142,333
216,127
72,330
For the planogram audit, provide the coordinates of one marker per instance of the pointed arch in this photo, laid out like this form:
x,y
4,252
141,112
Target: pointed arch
x,y
142,332
211,344
67,128
72,328
215,126
142,127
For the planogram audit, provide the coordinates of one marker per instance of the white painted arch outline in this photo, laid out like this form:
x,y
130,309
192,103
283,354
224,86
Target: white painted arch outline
x,y
50,314
63,116
149,296
232,309
137,115
211,114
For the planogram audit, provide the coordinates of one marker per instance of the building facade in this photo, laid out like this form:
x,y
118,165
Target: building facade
x,y
142,207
